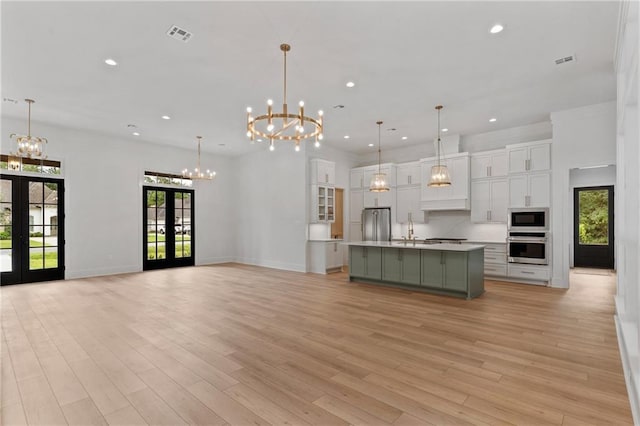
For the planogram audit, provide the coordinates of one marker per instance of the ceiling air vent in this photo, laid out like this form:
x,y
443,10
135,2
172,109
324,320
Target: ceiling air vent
x,y
179,34
565,59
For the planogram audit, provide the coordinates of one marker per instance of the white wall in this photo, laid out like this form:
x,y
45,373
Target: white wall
x,y
103,198
628,200
582,137
270,194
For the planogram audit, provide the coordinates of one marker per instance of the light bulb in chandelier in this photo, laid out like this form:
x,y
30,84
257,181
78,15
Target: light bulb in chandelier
x,y
197,172
283,125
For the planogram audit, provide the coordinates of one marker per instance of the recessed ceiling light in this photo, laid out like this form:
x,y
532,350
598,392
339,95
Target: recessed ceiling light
x,y
350,84
370,144
346,136
111,62
445,130
496,29
166,117
404,138
136,134
492,120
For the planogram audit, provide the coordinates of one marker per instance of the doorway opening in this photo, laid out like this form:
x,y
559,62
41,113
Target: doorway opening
x,y
168,238
31,229
337,227
593,227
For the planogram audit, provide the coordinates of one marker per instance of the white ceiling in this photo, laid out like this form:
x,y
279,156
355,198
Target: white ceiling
x,y
405,57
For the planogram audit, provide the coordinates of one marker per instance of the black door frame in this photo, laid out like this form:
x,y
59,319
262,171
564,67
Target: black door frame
x,y
605,253
20,258
170,261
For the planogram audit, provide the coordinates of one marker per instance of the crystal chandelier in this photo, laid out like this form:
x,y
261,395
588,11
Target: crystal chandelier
x,y
440,172
197,173
284,125
29,146
379,181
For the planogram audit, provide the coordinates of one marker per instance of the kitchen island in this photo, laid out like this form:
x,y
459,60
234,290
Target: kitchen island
x,y
452,269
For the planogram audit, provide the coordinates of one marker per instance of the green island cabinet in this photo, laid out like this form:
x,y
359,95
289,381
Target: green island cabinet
x,y
457,273
401,265
365,262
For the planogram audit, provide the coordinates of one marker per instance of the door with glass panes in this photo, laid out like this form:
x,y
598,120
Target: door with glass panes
x,y
168,223
31,229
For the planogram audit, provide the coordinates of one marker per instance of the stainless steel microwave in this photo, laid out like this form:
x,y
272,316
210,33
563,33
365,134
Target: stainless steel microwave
x,y
529,219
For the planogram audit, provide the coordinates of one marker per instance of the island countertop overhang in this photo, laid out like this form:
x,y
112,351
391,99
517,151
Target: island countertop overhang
x,y
417,246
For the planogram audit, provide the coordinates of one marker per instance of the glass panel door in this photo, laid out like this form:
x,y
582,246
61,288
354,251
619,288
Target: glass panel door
x,y
32,235
6,225
168,222
593,227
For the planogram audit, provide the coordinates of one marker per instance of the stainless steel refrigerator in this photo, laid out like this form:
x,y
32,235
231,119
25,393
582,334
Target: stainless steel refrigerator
x,y
376,224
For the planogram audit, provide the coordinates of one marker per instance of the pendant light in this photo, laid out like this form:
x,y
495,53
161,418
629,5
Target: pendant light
x,y
439,173
379,182
29,146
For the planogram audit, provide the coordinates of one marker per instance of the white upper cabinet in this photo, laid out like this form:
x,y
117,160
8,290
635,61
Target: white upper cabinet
x,y
489,164
379,199
408,174
529,157
453,197
489,201
323,172
530,190
356,178
356,204
408,205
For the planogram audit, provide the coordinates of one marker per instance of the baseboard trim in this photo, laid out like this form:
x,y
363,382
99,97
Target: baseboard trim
x,y
273,264
215,260
98,272
627,341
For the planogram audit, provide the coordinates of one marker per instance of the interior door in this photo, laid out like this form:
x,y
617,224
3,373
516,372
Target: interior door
x,y
31,229
593,227
168,228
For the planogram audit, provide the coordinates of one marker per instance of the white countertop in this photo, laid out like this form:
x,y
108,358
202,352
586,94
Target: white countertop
x,y
419,246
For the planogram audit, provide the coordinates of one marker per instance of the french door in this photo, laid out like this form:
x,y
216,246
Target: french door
x,y
593,227
168,228
31,229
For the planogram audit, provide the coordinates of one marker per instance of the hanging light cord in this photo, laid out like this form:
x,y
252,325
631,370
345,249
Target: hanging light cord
x,y
29,122
199,139
439,107
379,124
285,77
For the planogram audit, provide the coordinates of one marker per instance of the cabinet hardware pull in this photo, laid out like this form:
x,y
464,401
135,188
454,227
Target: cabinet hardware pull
x,y
326,177
487,214
527,272
490,214
488,172
409,179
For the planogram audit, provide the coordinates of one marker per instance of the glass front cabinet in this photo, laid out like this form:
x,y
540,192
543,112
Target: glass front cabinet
x,y
323,204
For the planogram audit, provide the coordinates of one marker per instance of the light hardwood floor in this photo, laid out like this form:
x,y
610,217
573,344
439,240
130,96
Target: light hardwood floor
x,y
242,345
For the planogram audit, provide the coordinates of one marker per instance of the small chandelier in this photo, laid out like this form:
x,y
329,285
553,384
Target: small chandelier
x,y
283,125
197,173
29,146
439,173
379,181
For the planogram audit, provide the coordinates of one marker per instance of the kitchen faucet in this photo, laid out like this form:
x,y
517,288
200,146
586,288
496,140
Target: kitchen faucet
x,y
410,230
